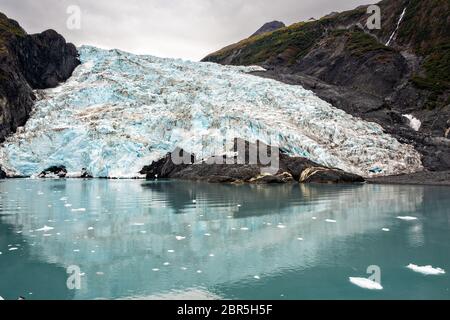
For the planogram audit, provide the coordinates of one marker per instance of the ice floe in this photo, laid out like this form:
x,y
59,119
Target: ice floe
x,y
427,270
45,229
406,218
366,283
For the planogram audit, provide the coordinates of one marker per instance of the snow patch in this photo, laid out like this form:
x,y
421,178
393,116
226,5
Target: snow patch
x,y
414,123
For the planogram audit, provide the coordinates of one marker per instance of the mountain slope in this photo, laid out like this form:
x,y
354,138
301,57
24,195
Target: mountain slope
x,y
119,112
351,67
29,62
269,27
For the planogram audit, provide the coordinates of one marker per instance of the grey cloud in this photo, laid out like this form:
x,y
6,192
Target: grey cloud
x,y
187,29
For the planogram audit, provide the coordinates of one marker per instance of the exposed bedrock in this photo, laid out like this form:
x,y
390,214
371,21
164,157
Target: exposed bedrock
x,y
241,169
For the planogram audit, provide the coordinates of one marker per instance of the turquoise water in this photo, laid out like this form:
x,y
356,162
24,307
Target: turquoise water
x,y
150,240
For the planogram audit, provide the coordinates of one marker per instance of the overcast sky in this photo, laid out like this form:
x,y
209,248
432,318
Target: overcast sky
x,y
188,29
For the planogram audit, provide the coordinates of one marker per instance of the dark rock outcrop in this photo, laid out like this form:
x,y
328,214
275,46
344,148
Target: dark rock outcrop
x,y
29,62
350,66
269,27
54,171
239,169
2,174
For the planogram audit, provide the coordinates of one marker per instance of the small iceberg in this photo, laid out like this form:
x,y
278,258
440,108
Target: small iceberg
x,y
366,283
426,270
385,229
45,229
406,218
138,224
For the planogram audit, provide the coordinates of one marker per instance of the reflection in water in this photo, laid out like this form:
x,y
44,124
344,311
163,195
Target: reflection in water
x,y
180,239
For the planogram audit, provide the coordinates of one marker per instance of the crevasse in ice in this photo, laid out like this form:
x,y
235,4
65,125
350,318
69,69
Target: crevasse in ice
x,y
120,111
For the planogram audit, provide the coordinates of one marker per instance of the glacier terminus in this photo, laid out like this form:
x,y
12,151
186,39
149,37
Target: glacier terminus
x,y
119,112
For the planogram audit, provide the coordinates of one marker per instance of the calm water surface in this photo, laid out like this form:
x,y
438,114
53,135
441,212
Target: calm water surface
x,y
153,240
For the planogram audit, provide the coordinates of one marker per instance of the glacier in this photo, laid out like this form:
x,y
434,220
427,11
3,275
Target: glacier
x,y
120,111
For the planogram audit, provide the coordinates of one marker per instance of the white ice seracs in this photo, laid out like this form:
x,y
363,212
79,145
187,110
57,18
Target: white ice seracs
x,y
119,112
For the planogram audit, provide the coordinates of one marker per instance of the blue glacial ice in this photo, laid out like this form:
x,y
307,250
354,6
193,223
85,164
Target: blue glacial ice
x,y
119,112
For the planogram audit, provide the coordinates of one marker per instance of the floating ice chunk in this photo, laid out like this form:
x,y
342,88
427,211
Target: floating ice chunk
x,y
407,218
199,271
239,205
143,231
330,221
138,224
67,205
99,273
13,249
92,251
45,229
47,234
386,229
366,283
78,210
76,250
166,263
207,235
211,255
1,298
179,238
170,251
300,239
155,269
63,199
245,229
183,268
280,226
91,228
314,218
427,270
194,201
257,277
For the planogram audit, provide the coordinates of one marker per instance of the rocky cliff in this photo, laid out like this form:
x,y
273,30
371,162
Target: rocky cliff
x,y
397,76
29,62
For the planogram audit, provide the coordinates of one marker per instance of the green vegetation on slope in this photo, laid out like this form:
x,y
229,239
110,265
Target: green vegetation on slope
x,y
294,41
